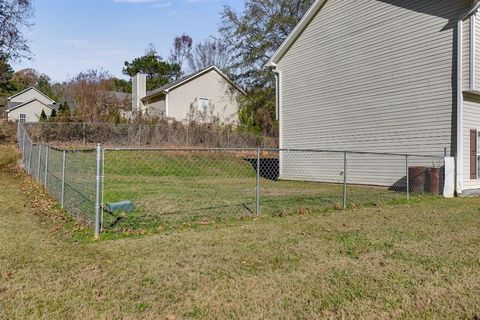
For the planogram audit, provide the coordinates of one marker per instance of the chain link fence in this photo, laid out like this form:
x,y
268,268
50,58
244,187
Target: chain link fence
x,y
67,175
132,188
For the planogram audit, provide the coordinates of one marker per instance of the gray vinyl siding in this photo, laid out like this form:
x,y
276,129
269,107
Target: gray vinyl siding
x,y
471,120
371,75
477,52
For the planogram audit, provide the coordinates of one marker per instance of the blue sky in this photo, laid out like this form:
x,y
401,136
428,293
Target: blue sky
x,y
69,36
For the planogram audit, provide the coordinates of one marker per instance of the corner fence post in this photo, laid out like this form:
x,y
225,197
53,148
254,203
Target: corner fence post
x,y
97,192
407,175
345,157
64,162
46,167
257,198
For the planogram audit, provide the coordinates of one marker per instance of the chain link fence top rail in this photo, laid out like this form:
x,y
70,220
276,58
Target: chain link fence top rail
x,y
141,188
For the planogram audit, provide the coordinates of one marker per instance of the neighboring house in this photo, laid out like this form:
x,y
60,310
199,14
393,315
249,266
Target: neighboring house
x,y
27,105
204,95
398,76
122,99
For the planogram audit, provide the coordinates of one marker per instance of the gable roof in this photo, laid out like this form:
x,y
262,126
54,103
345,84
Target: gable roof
x,y
16,105
297,31
12,105
28,89
175,84
308,17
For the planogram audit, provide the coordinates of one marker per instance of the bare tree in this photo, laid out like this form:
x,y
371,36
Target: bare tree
x,y
91,93
181,51
208,53
14,16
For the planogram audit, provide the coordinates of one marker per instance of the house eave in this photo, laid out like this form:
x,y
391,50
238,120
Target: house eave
x,y
31,88
27,102
193,77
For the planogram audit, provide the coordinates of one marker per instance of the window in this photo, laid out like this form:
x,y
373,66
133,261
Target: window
x,y
202,104
474,154
22,117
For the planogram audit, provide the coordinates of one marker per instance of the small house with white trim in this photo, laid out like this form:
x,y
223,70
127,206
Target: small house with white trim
x,y
27,105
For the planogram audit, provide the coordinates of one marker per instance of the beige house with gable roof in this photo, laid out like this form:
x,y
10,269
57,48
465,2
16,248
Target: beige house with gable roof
x,y
205,95
27,105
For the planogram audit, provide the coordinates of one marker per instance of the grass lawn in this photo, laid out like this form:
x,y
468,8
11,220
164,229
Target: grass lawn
x,y
170,188
415,260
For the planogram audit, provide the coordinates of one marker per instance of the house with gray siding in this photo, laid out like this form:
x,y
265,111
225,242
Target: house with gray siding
x,y
396,76
202,96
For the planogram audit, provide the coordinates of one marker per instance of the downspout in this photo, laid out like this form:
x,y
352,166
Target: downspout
x,y
459,151
473,46
278,112
278,101
166,104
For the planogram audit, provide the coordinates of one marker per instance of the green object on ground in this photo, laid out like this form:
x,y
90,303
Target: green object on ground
x,y
125,206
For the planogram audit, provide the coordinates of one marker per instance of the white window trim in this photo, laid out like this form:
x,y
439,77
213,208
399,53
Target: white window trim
x,y
478,154
20,117
204,99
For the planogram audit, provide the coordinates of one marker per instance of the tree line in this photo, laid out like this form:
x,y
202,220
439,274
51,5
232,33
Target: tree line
x,y
245,41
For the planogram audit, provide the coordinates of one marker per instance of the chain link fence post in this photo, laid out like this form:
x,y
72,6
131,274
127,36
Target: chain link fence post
x,y
98,191
102,205
23,145
64,162
345,158
407,175
257,198
39,161
84,135
139,135
46,167
30,158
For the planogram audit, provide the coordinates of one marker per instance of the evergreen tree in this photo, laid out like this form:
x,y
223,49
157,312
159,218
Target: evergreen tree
x,y
64,109
158,71
53,114
43,116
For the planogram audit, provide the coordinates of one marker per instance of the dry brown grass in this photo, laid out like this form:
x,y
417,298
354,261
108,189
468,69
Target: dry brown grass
x,y
410,261
7,131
